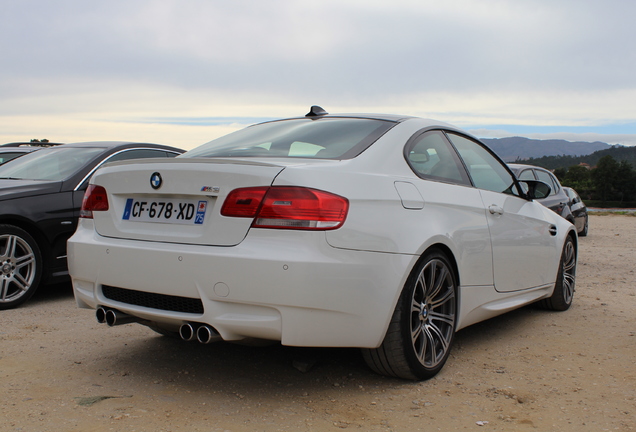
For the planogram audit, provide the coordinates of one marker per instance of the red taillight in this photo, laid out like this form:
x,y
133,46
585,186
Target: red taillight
x,y
95,199
243,202
287,207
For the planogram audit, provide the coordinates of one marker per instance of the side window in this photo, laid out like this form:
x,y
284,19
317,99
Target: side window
x,y
547,178
431,156
526,175
139,154
484,169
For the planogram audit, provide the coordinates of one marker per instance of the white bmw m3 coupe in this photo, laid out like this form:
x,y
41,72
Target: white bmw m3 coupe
x,y
383,232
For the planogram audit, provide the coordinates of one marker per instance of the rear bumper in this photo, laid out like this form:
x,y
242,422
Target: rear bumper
x,y
279,285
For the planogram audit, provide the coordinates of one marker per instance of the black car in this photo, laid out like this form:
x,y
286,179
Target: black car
x,y
40,199
578,210
13,150
557,200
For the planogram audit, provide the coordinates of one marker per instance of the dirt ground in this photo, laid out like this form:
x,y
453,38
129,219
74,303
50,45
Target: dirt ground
x,y
527,370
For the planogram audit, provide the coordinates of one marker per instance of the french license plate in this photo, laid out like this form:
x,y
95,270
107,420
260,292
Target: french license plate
x,y
175,211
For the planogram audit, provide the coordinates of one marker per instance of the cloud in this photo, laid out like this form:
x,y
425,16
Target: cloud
x,y
535,62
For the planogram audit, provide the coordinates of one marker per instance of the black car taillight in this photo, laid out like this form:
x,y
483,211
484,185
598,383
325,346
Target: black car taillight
x,y
287,207
95,199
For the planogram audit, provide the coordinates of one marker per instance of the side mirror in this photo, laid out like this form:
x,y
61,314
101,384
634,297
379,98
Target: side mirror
x,y
535,189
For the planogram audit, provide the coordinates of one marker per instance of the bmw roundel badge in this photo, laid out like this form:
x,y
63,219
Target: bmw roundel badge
x,y
156,180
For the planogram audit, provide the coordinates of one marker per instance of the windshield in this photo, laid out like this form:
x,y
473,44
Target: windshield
x,y
325,138
55,164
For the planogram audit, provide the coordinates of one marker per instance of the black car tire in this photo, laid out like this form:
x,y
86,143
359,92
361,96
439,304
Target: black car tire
x,y
583,232
20,266
422,329
563,293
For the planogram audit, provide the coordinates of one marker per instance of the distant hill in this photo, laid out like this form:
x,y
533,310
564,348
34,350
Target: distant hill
x,y
514,148
619,153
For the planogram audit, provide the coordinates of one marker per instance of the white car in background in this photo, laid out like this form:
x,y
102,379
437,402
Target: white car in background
x,y
383,232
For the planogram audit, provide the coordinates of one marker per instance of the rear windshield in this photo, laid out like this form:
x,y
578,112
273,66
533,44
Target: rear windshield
x,y
54,163
325,138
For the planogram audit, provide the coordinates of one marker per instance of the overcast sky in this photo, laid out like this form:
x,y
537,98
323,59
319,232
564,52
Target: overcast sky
x,y
182,72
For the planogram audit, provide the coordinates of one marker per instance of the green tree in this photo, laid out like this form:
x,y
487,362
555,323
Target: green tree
x,y
560,173
604,177
579,178
624,181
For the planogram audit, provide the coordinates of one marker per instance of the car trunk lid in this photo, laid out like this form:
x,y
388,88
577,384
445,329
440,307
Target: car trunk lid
x,y
177,200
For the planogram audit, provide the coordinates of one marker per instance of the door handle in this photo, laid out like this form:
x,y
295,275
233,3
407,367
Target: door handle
x,y
495,209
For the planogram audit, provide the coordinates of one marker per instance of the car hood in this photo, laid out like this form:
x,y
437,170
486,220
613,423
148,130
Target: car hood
x,y
11,189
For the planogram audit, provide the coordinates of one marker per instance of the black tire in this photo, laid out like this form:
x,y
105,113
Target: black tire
x,y
20,266
583,232
422,329
564,287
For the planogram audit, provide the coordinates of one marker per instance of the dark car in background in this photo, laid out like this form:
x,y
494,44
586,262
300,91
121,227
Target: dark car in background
x,y
557,201
13,150
40,199
578,210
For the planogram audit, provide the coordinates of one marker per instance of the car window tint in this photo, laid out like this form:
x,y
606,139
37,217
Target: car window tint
x,y
5,157
55,163
485,170
325,138
547,178
430,155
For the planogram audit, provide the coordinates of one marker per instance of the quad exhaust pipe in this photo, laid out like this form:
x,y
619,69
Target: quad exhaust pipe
x,y
188,332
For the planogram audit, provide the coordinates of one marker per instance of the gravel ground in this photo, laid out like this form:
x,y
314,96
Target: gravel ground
x,y
527,370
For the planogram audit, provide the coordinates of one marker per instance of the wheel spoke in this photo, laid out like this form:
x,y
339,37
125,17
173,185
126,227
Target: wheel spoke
x,y
12,242
445,318
448,296
4,288
421,287
416,307
429,360
437,281
437,335
24,260
22,283
419,342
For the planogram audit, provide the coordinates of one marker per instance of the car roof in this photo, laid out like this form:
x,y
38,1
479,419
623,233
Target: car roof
x,y
519,167
115,144
317,112
32,144
18,149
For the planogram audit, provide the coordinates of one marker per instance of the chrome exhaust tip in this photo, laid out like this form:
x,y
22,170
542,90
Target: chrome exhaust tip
x,y
188,332
100,315
115,318
207,334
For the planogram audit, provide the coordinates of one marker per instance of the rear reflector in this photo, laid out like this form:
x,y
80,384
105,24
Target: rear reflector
x,y
286,207
95,199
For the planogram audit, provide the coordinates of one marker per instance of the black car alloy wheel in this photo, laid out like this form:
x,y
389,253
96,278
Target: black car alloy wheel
x,y
20,266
